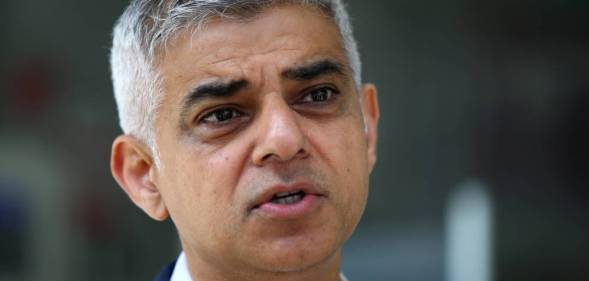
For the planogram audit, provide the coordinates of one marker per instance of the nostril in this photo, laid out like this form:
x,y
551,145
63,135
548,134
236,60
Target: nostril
x,y
267,157
302,153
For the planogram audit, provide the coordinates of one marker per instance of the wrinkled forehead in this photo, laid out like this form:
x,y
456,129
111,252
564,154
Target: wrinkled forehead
x,y
286,34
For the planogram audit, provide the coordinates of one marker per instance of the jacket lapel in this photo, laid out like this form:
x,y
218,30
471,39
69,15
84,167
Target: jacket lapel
x,y
166,272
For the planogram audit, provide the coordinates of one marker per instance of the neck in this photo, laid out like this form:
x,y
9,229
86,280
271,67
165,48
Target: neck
x,y
200,270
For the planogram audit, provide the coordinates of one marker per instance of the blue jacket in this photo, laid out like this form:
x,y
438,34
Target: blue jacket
x,y
166,272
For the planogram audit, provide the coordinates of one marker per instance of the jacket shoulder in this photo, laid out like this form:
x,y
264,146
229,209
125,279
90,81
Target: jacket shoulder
x,y
166,272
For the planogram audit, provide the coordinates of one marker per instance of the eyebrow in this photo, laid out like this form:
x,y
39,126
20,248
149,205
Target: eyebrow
x,y
213,89
222,88
314,69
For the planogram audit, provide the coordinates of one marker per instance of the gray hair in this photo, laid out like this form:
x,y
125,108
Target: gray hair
x,y
142,31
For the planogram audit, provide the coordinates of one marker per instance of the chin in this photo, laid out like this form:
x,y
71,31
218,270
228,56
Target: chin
x,y
290,256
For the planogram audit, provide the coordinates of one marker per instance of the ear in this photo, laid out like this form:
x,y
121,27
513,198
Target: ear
x,y
371,113
132,167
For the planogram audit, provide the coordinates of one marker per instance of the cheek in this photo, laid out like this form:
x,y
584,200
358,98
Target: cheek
x,y
354,175
195,184
342,146
346,157
208,169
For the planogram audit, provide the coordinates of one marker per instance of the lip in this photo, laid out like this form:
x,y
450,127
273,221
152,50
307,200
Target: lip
x,y
313,198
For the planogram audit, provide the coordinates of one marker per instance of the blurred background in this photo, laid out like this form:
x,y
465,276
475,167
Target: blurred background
x,y
483,154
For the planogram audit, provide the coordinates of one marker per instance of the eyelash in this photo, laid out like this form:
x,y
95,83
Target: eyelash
x,y
332,92
307,98
216,114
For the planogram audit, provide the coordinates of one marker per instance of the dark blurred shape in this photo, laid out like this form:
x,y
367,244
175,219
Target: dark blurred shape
x,y
530,22
95,219
14,225
33,84
573,132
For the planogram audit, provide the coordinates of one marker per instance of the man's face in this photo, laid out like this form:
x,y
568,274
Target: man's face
x,y
264,154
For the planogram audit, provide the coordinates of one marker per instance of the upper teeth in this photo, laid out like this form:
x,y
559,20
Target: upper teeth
x,y
287,193
289,199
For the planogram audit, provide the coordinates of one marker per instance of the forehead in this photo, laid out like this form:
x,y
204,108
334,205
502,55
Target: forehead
x,y
283,35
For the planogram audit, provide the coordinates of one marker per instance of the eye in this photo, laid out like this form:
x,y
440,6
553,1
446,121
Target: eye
x,y
319,95
221,115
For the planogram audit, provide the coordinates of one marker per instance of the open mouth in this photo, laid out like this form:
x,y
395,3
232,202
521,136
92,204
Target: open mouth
x,y
283,202
288,198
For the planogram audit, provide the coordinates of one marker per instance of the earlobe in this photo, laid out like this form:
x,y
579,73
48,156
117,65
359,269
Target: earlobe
x,y
371,113
132,167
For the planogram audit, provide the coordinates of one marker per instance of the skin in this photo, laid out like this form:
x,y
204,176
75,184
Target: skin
x,y
275,130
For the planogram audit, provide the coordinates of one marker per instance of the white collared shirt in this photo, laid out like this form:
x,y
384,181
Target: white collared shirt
x,y
181,272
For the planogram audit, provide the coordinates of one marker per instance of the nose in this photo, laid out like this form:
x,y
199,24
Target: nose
x,y
280,137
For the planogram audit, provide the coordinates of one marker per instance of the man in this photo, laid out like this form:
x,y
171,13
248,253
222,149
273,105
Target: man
x,y
246,123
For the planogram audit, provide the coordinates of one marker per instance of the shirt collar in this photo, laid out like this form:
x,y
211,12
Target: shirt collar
x,y
181,272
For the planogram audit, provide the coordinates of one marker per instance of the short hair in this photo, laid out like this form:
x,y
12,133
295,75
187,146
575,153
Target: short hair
x,y
141,33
